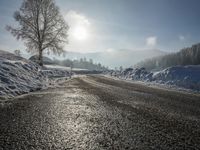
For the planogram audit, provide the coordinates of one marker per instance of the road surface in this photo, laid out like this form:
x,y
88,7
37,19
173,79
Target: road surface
x,y
95,112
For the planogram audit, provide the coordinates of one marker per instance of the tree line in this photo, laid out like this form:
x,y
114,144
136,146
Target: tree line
x,y
186,56
82,63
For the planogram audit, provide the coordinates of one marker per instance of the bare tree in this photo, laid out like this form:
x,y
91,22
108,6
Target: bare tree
x,y
41,26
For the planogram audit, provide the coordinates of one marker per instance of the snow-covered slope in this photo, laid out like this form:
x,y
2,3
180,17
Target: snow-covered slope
x,y
182,76
19,75
187,77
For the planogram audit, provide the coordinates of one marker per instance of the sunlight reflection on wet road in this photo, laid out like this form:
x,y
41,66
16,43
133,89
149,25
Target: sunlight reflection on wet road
x,y
88,114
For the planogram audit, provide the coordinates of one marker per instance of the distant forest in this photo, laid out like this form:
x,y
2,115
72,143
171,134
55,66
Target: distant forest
x,y
186,56
83,63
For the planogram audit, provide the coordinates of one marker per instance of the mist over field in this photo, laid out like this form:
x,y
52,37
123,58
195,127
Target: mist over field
x,y
115,58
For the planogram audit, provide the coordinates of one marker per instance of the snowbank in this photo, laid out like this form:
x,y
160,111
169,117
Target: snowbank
x,y
183,76
19,75
187,77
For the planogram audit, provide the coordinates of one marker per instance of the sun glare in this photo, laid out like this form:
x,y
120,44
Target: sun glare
x,y
80,33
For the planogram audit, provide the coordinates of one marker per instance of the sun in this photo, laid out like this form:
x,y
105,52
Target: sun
x,y
80,33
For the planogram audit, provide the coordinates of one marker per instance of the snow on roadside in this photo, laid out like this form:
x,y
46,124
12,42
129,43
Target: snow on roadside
x,y
182,76
177,77
64,68
19,76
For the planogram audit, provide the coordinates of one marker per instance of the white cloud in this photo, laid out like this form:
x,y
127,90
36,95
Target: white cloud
x,y
74,18
110,50
151,41
181,37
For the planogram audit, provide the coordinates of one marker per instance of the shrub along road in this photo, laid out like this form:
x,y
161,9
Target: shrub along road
x,y
95,112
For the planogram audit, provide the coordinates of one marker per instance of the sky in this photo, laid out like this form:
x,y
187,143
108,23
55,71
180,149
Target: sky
x,y
104,25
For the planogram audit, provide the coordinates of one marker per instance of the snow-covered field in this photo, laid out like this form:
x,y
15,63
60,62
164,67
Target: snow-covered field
x,y
19,75
177,77
64,68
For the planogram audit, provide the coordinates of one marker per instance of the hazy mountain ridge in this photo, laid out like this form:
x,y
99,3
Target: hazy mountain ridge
x,y
116,58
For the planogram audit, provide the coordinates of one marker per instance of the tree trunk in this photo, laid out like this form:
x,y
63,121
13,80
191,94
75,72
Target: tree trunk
x,y
40,58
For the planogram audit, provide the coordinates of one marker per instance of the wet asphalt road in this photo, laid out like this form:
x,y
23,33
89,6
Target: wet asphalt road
x,y
94,112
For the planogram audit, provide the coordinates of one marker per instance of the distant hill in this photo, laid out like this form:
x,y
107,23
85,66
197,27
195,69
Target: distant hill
x,y
116,58
186,56
112,58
